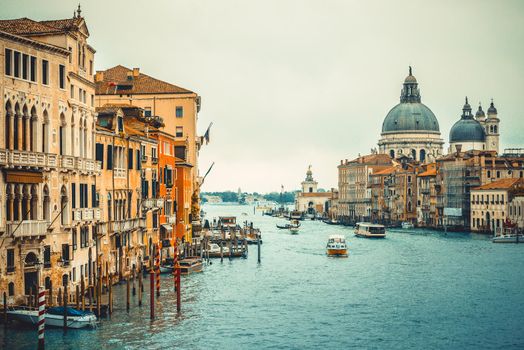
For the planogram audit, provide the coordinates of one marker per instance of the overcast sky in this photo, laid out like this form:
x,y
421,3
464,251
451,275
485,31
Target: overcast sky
x,y
292,83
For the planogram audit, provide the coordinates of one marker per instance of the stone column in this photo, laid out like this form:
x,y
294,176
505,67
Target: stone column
x,y
11,131
27,135
20,133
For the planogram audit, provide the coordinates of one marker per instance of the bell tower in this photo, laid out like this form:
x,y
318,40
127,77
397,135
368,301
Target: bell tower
x,y
309,185
492,129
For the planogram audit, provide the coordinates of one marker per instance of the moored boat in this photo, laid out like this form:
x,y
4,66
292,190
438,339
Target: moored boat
x,y
190,265
369,230
337,246
508,235
54,317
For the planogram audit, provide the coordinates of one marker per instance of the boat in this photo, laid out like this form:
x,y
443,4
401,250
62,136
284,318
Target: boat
x,y
293,230
337,246
166,269
190,265
508,235
54,317
407,225
331,222
214,250
296,215
369,230
292,224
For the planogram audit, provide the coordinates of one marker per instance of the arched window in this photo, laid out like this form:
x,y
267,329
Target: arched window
x,y
34,202
63,206
8,118
45,133
422,157
11,289
109,207
409,206
33,130
16,202
73,134
409,192
25,131
495,129
392,153
48,283
16,127
8,202
47,204
414,154
489,174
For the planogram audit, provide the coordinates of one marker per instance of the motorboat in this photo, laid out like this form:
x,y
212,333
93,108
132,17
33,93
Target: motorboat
x,y
407,225
190,265
508,235
336,246
54,317
214,250
369,230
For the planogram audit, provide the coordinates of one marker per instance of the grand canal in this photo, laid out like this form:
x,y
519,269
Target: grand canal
x,y
415,289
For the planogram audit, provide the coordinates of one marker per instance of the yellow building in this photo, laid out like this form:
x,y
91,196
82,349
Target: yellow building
x,y
46,154
178,106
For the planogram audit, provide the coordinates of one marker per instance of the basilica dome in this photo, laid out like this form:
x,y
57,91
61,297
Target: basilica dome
x,y
410,115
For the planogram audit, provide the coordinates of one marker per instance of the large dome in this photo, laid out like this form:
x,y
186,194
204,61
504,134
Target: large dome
x,y
467,130
412,117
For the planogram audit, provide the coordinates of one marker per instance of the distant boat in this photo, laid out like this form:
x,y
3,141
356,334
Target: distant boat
x,y
508,235
292,224
190,265
369,230
294,230
331,222
54,317
337,246
407,225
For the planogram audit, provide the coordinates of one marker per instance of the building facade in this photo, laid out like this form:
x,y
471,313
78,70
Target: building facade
x,y
309,200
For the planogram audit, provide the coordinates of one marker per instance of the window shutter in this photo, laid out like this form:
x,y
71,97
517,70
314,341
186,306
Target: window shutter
x,y
109,157
100,153
130,158
93,196
73,195
138,160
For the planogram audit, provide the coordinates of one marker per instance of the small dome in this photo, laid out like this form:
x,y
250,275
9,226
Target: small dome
x,y
467,130
412,117
492,109
410,79
480,112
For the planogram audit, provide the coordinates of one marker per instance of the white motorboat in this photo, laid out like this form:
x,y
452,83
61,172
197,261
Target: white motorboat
x,y
54,317
407,225
337,246
369,230
294,230
214,250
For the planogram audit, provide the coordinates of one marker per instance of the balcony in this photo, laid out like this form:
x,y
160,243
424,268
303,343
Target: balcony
x,y
154,160
119,172
84,165
144,158
126,225
425,191
86,214
13,158
28,228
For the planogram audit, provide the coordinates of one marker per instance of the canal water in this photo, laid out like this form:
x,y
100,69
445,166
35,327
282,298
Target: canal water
x,y
415,289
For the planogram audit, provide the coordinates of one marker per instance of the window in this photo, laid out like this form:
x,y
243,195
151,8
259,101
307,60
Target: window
x,y
489,174
167,149
179,111
45,72
65,254
99,153
11,288
409,179
120,124
130,158
180,152
92,100
47,256
138,163
8,58
32,70
10,260
73,196
109,157
72,91
179,131
94,197
147,112
498,174
74,238
90,67
17,64
25,66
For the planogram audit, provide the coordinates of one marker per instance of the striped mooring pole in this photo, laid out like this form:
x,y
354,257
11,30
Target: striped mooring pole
x,y
41,318
157,268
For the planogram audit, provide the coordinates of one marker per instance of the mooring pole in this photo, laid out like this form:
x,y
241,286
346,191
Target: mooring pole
x,y
140,287
178,287
77,295
83,292
41,318
258,246
110,295
127,293
221,251
134,288
152,293
157,268
65,304
5,309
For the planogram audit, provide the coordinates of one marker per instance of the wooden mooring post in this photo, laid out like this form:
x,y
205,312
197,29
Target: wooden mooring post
x,y
221,251
110,295
83,292
77,297
152,293
59,297
5,309
51,302
134,288
65,305
140,287
258,247
127,293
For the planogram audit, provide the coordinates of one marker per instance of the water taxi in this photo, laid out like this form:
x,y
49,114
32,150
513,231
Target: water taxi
x,y
369,230
294,230
508,235
190,265
337,246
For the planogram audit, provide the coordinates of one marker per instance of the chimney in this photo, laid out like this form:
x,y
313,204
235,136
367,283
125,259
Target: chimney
x,y
99,76
136,72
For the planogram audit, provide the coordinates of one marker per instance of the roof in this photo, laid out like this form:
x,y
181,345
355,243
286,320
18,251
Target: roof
x,y
141,84
26,26
410,117
467,130
386,171
431,170
372,159
504,184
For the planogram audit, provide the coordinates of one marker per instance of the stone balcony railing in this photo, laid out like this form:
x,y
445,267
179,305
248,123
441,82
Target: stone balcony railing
x,y
83,165
28,228
86,214
119,172
171,219
14,158
126,225
151,203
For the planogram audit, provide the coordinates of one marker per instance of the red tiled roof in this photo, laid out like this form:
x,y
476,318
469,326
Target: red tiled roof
x,y
26,26
141,84
386,171
503,184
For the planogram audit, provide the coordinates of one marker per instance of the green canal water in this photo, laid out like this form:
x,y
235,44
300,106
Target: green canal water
x,y
415,289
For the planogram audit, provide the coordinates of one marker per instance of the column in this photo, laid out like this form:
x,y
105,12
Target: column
x,y
11,131
20,133
27,134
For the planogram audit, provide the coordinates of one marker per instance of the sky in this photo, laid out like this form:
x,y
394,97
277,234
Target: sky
x,y
292,83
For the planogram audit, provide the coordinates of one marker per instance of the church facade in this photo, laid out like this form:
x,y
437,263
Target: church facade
x,y
309,200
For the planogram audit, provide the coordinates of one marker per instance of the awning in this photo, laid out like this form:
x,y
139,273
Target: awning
x,y
167,227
